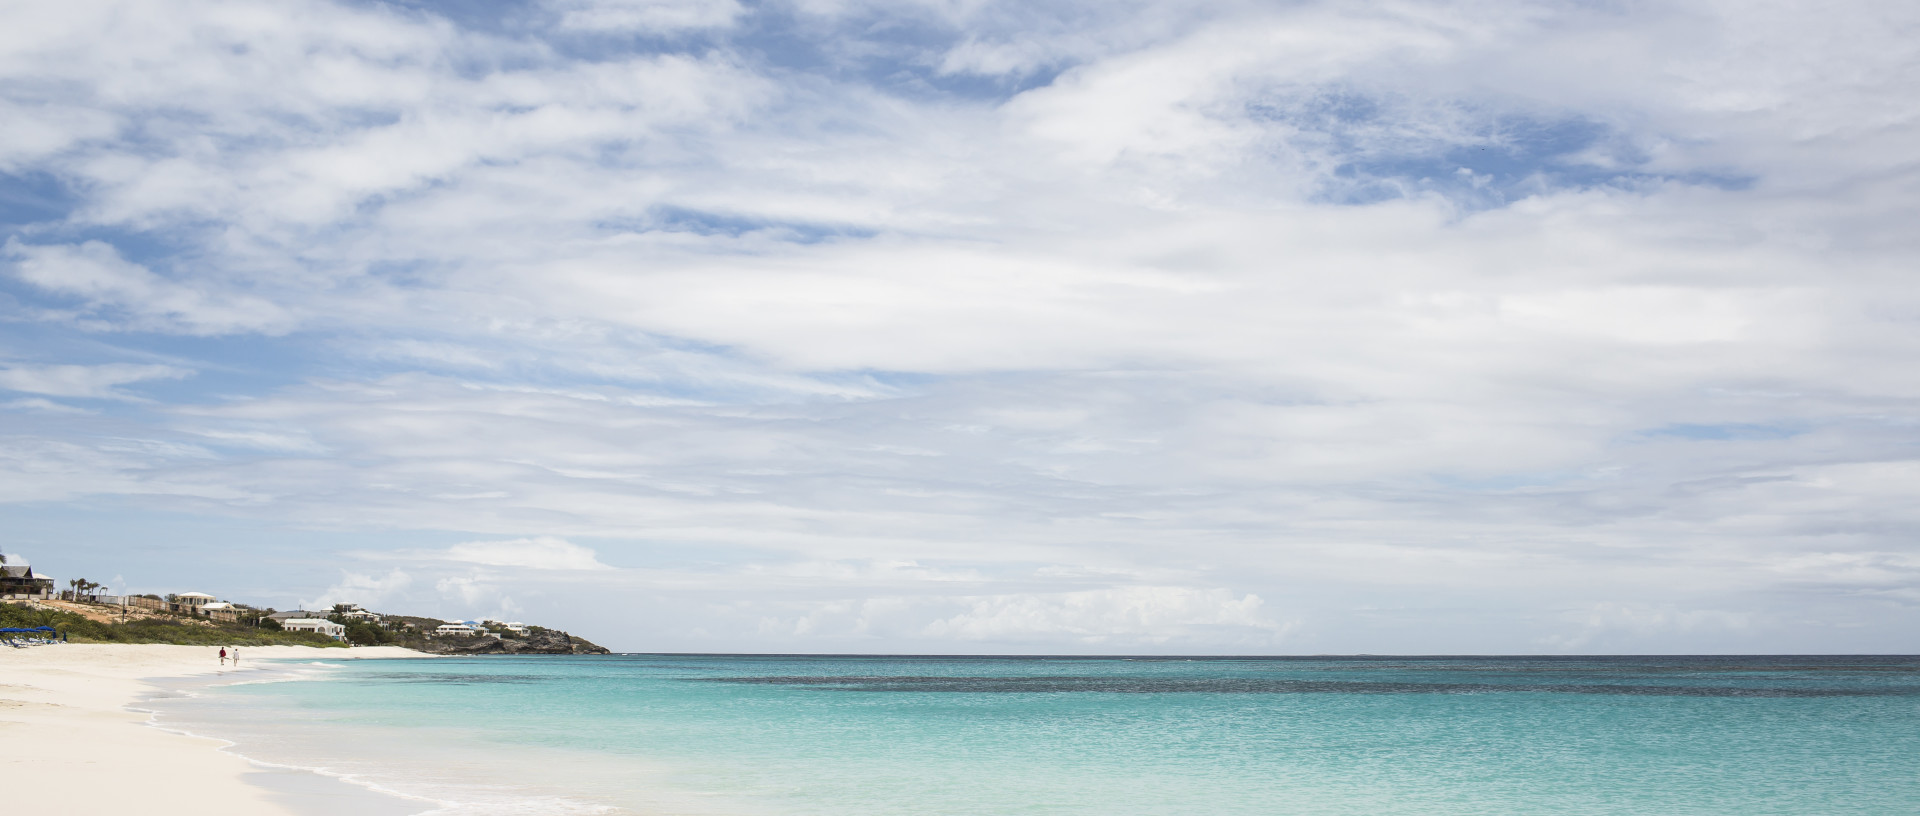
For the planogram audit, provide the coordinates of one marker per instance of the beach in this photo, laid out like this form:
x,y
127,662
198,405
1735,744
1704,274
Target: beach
x,y
72,735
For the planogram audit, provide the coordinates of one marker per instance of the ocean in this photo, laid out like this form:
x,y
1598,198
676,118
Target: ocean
x,y
901,736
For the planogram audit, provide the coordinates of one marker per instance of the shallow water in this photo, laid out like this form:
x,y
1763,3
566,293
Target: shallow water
x,y
852,736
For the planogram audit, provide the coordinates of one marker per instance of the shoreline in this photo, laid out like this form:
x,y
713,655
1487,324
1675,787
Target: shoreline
x,y
74,731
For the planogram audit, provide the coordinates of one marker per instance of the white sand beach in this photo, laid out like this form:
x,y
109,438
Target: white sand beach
x,y
69,741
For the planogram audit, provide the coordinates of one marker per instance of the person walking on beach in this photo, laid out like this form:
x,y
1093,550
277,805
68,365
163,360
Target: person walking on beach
x,y
236,656
223,655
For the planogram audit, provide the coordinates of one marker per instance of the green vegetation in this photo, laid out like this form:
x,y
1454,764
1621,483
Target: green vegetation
x,y
360,633
409,632
155,630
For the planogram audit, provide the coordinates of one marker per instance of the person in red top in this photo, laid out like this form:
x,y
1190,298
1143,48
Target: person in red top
x,y
223,655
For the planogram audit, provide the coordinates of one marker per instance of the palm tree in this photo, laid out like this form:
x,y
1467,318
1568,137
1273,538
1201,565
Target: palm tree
x,y
79,588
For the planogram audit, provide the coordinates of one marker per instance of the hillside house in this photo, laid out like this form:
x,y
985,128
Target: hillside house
x,y
18,582
188,603
321,625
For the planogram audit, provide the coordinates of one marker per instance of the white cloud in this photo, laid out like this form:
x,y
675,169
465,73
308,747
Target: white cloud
x,y
365,589
1121,615
541,553
1194,293
646,15
470,597
95,381
470,591
262,440
42,406
115,289
1604,622
40,131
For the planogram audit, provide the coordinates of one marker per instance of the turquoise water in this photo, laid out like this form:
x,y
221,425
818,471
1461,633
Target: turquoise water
x,y
884,735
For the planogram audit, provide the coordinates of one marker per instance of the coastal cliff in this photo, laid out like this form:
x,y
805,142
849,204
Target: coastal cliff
x,y
435,636
542,641
100,623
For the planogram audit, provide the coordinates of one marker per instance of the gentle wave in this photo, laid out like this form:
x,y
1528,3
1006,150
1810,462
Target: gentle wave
x,y
892,736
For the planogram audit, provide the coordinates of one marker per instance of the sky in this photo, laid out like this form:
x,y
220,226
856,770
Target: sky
x,y
968,326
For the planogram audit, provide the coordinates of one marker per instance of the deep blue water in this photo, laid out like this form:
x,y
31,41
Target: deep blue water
x,y
948,735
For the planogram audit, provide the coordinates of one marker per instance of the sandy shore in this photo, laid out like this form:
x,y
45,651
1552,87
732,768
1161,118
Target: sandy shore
x,y
69,741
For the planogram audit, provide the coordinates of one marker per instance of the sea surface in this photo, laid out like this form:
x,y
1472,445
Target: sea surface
x,y
898,736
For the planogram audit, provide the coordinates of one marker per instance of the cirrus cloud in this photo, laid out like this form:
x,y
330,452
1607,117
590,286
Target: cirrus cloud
x,y
95,381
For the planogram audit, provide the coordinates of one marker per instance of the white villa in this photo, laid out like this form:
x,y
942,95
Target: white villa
x,y
512,626
321,625
461,629
189,602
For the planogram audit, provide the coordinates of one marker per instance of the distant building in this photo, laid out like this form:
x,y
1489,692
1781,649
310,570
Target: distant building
x,y
356,612
190,602
459,629
148,602
18,582
221,611
321,625
283,617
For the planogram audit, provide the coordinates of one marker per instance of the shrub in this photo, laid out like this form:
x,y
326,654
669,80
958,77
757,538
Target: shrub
x,y
153,630
365,634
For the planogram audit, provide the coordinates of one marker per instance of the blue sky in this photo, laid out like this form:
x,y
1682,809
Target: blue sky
x,y
829,325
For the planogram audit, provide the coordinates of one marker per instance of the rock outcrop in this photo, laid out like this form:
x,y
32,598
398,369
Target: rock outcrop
x,y
539,641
